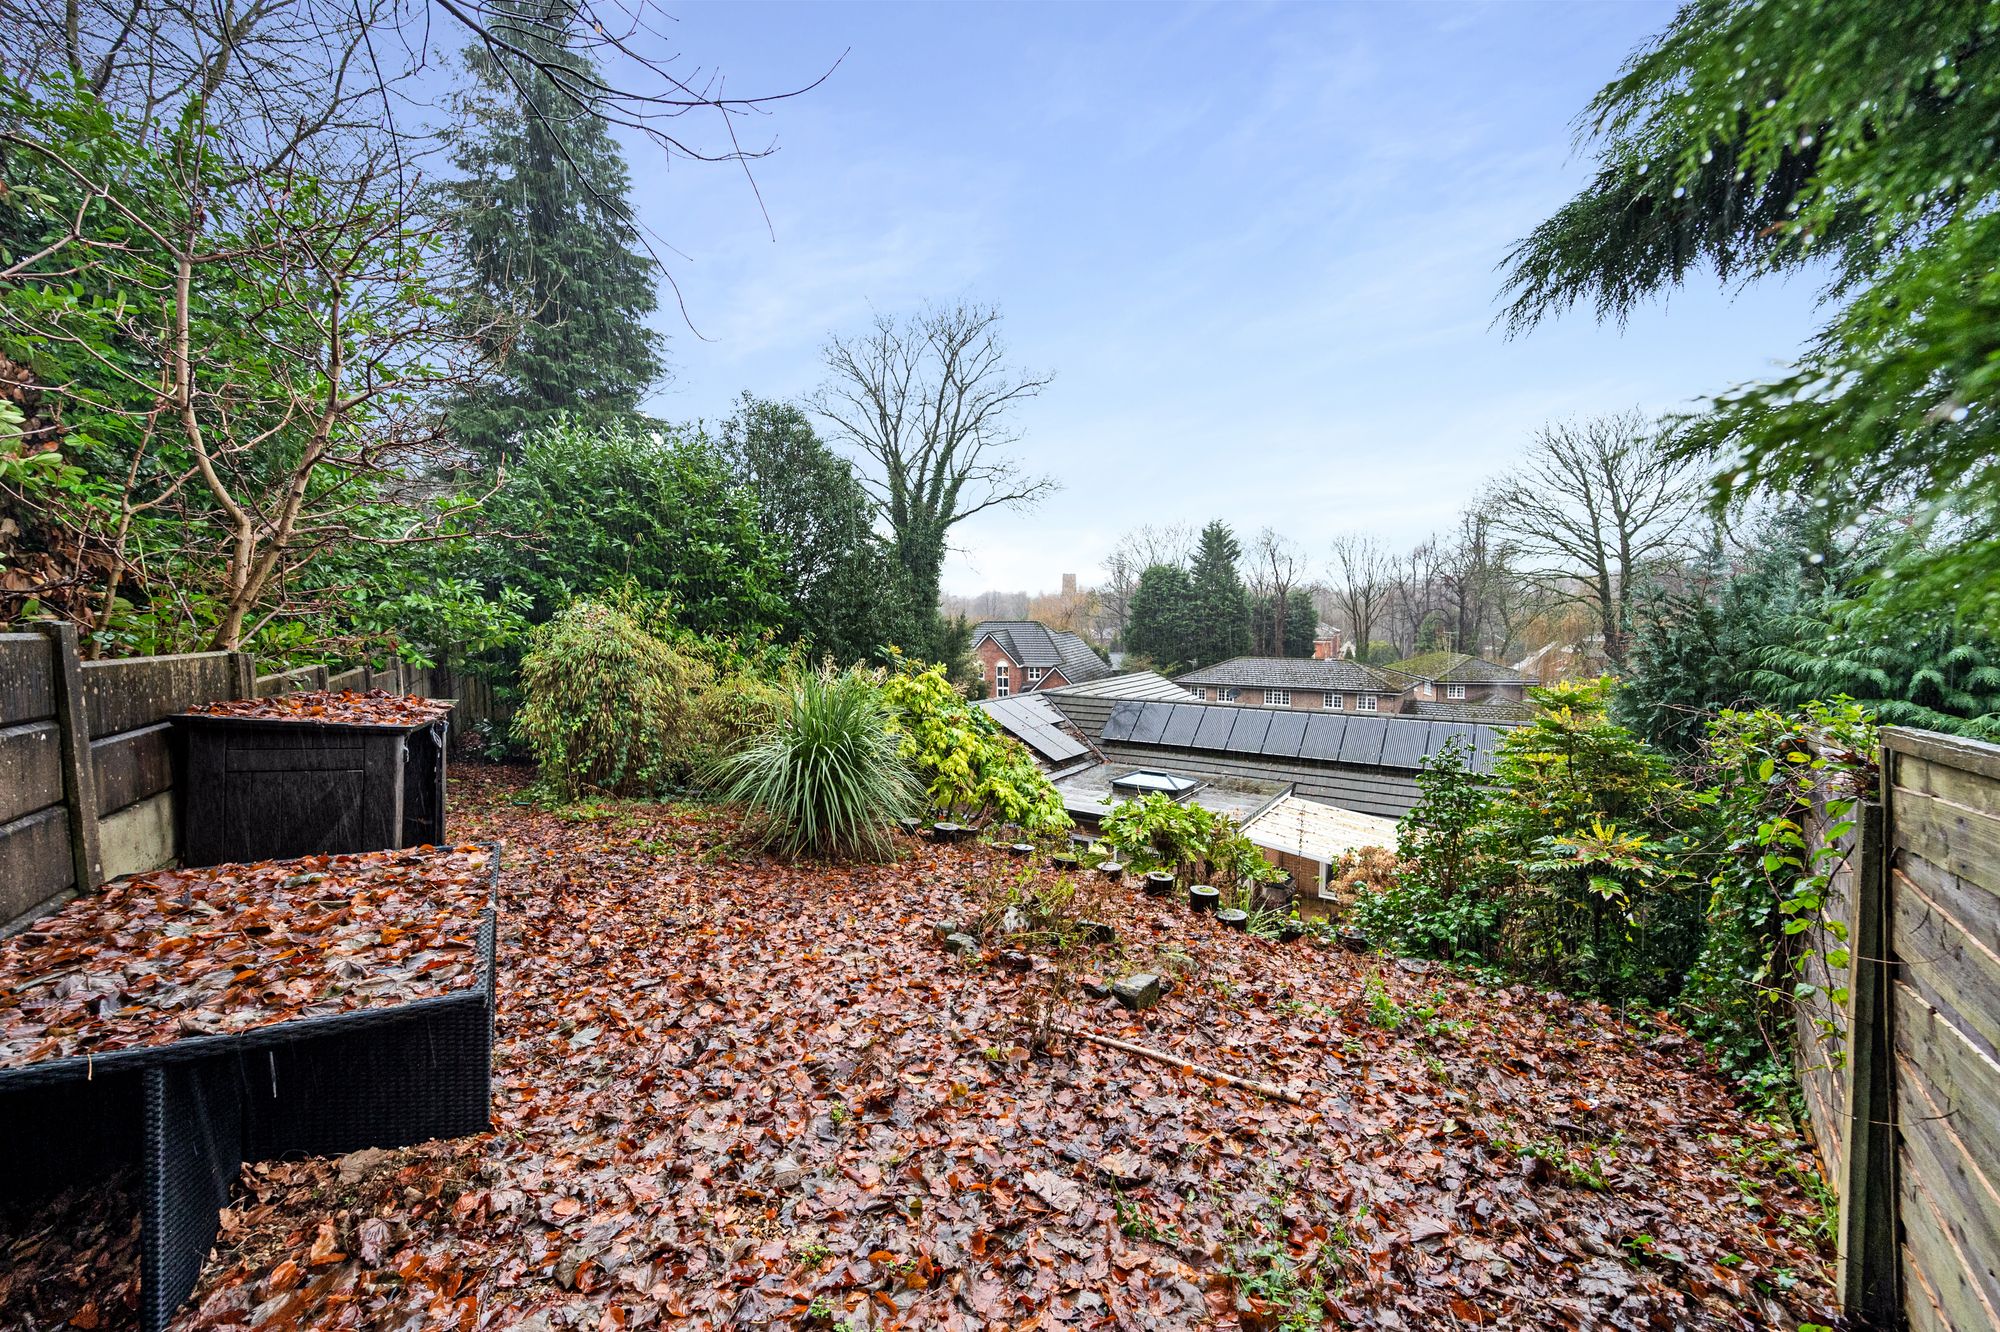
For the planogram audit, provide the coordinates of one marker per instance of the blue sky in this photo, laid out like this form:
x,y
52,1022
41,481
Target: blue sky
x,y
1256,244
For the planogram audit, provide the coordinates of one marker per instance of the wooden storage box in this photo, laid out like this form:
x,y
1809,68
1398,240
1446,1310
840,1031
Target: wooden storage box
x,y
310,774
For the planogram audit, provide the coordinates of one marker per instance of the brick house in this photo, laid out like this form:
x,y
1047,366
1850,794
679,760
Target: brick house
x,y
1459,677
1329,684
1020,656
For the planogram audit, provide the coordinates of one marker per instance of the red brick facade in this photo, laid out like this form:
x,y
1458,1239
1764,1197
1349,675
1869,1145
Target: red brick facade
x,y
1301,700
992,656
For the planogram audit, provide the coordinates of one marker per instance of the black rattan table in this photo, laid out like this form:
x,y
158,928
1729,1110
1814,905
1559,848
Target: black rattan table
x,y
188,1113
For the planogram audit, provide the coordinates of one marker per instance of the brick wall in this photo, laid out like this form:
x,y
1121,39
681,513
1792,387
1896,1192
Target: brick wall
x,y
1309,700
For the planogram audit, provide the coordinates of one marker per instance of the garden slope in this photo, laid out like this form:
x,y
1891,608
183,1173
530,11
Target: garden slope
x,y
730,1092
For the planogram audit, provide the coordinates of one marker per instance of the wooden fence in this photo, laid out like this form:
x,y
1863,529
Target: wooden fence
x,y
1905,1098
86,774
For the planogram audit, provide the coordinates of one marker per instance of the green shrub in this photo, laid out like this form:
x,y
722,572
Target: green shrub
x,y
828,780
1197,844
970,768
1439,903
610,708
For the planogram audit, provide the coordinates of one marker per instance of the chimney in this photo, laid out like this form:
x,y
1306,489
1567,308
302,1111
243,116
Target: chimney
x,y
1069,585
1327,645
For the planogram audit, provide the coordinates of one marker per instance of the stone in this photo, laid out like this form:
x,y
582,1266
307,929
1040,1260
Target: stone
x,y
1137,992
1095,987
1097,932
1017,960
961,944
942,930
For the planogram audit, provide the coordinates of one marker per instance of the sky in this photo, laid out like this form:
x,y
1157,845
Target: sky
x,y
1256,244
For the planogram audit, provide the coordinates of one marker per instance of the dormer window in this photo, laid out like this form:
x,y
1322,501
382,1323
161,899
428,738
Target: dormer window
x,y
1454,691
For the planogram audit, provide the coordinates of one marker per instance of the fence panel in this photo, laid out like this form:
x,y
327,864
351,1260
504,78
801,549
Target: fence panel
x,y
1942,879
86,764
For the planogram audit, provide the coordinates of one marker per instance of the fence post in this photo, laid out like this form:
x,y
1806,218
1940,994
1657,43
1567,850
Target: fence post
x,y
243,674
79,775
1868,1267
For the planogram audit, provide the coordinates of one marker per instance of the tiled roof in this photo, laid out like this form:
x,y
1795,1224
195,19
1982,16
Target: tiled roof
x,y
1502,711
1292,673
1032,643
1136,684
1456,668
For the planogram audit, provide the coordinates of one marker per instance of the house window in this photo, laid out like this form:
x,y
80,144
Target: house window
x,y
1454,691
1000,680
1035,674
1330,701
1225,695
1365,703
1201,693
1277,698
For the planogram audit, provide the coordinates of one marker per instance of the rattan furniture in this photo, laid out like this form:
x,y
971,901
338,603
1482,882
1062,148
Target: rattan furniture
x,y
190,1112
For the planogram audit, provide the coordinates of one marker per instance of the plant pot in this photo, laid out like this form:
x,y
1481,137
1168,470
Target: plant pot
x,y
1159,883
1355,941
1112,871
1234,919
1291,931
910,826
951,832
1097,932
1066,863
1021,850
1201,897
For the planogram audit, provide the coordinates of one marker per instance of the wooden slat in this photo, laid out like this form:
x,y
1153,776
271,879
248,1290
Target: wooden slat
x,y
30,769
132,766
1920,1300
1952,837
26,691
1955,785
1936,1157
1949,750
1962,1080
35,862
1954,970
139,691
1936,1254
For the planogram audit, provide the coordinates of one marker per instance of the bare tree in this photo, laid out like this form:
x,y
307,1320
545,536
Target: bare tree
x,y
1137,551
1593,506
927,402
1276,566
1358,585
315,83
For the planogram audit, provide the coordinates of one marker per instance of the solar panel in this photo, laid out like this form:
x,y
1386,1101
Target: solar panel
x,y
1363,742
1182,721
1213,733
1441,732
1248,735
1036,723
1322,738
1124,716
1287,730
1404,745
1152,724
1484,741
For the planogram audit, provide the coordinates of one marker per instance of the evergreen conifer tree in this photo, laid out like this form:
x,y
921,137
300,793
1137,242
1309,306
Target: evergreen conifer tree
x,y
561,289
1159,620
1220,608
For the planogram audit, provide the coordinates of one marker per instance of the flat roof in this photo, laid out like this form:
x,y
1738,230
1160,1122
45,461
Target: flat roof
x,y
1089,792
